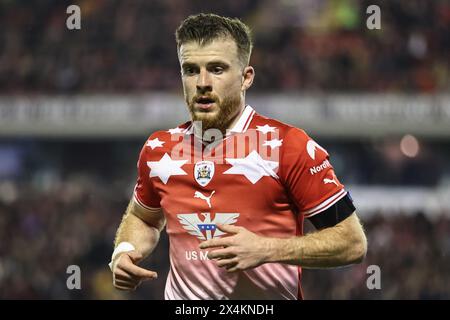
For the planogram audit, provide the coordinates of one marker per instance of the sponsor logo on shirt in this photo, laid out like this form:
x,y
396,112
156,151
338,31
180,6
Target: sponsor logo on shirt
x,y
326,181
317,169
204,172
206,229
196,255
200,195
311,147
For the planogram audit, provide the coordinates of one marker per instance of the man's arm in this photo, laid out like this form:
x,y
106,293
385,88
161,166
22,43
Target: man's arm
x,y
343,244
141,228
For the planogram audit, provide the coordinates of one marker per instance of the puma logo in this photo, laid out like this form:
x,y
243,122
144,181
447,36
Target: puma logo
x,y
200,195
326,181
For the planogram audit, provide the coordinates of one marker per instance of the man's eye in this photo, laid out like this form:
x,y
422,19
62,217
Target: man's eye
x,y
217,70
189,71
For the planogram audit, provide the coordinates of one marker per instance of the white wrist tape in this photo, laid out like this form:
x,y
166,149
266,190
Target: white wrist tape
x,y
121,247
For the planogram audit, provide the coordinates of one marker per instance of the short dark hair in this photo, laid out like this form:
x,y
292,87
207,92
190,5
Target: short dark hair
x,y
206,27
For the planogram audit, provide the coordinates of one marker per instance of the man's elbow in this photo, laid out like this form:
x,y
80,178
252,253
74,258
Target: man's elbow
x,y
356,239
358,249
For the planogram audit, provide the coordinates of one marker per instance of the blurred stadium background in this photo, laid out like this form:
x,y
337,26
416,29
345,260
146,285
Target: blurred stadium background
x,y
76,106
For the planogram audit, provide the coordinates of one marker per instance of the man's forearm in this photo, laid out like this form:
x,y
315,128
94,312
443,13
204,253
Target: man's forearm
x,y
340,245
142,235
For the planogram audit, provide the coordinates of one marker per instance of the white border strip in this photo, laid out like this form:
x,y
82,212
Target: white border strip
x,y
239,127
136,199
325,204
249,121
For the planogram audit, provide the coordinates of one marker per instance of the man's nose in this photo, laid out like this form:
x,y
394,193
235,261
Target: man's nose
x,y
204,83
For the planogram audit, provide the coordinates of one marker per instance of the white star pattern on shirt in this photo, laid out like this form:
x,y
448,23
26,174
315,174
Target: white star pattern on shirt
x,y
155,143
253,167
265,129
176,130
166,167
274,143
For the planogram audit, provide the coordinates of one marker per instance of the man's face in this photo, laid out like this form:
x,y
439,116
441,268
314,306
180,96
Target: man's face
x,y
213,82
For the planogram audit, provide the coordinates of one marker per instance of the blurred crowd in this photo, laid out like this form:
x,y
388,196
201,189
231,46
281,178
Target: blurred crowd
x,y
312,45
73,223
412,251
61,203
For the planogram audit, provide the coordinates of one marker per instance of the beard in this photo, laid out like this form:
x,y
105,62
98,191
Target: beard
x,y
227,109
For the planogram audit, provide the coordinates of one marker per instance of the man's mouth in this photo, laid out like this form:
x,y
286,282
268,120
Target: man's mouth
x,y
204,103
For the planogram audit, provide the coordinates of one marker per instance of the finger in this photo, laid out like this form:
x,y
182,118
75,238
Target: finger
x,y
124,282
234,268
132,278
139,272
125,288
122,274
127,283
134,271
227,263
228,228
126,277
221,253
214,243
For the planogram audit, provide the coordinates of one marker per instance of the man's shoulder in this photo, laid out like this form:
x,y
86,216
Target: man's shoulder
x,y
283,130
163,140
167,133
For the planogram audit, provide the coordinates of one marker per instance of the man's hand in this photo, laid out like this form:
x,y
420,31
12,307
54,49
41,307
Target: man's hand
x,y
127,275
242,250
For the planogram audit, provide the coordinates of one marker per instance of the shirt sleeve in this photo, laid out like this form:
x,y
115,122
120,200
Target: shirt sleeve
x,y
308,174
145,193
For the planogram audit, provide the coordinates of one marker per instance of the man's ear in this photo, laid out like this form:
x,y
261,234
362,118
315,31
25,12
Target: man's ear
x,y
248,74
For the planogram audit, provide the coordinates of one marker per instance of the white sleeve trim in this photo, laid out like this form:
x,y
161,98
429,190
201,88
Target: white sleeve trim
x,y
325,204
139,202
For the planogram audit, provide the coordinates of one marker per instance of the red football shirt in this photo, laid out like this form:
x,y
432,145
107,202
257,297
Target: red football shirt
x,y
264,175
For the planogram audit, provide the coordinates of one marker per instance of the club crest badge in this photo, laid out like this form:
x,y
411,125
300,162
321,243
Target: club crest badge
x,y
204,172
